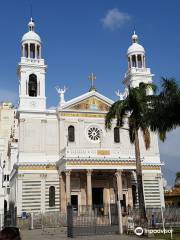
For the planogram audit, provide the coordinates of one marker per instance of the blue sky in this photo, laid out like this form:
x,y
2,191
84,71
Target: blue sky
x,y
81,36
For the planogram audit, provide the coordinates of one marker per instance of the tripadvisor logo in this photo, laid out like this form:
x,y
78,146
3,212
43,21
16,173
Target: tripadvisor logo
x,y
139,231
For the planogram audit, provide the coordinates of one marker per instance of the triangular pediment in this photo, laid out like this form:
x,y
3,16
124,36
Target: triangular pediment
x,y
91,101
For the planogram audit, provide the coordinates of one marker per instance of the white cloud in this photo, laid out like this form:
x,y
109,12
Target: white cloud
x,y
114,19
8,95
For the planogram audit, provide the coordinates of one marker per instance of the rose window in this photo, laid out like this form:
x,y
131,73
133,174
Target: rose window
x,y
94,134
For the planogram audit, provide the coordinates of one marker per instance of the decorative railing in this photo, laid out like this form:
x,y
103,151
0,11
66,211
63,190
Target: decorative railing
x,y
99,153
32,60
138,70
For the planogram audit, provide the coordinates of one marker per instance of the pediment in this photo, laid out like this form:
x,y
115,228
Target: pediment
x,y
92,103
89,102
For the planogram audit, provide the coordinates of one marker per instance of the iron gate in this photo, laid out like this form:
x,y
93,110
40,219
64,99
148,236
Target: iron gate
x,y
92,220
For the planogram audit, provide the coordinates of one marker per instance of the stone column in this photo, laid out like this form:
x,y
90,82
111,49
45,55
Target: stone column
x,y
120,197
62,193
119,184
137,61
19,183
40,52
89,188
131,62
43,192
129,185
68,186
29,54
23,50
35,51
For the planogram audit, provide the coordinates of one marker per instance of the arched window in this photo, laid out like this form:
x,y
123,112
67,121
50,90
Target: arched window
x,y
51,196
116,135
71,135
32,86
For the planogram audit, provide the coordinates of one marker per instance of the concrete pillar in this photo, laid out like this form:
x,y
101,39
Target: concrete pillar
x,y
29,50
23,50
39,52
43,192
144,61
131,62
35,51
119,184
19,195
137,61
120,197
89,187
62,193
68,186
129,185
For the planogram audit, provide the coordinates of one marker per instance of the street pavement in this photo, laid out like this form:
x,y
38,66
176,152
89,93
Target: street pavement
x,y
60,234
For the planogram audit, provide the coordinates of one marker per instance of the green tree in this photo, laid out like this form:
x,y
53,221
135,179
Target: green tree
x,y
164,114
135,109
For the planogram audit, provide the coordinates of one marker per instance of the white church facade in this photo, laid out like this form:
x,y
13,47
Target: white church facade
x,y
65,155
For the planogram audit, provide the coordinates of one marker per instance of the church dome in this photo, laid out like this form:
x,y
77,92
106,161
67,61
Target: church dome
x,y
135,47
31,35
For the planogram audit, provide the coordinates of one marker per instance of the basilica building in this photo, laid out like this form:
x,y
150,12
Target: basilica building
x,y
65,155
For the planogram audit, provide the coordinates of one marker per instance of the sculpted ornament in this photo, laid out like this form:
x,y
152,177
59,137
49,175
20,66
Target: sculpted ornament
x,y
122,95
61,92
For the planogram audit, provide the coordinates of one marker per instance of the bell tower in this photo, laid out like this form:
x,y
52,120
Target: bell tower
x,y
31,72
137,71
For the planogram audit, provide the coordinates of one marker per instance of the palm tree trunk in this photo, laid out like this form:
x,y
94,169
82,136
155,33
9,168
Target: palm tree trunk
x,y
142,210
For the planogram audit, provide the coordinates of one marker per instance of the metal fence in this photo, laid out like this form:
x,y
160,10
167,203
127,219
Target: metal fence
x,y
38,220
92,220
104,219
157,217
10,217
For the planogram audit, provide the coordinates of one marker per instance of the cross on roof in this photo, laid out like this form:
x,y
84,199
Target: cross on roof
x,y
92,78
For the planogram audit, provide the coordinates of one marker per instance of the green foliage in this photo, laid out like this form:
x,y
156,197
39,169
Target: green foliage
x,y
134,108
164,114
178,174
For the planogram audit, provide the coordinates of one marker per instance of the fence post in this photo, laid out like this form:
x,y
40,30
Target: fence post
x,y
69,221
1,221
32,221
120,217
109,213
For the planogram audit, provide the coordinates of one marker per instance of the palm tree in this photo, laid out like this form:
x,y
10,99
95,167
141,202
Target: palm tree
x,y
164,114
135,108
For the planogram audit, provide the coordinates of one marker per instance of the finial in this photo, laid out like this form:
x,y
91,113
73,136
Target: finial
x,y
92,78
134,36
31,24
134,31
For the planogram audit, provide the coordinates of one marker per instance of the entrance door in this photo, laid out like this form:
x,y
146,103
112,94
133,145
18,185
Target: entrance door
x,y
97,196
74,202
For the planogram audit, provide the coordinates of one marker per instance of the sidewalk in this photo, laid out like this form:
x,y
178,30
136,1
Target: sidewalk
x,y
60,234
